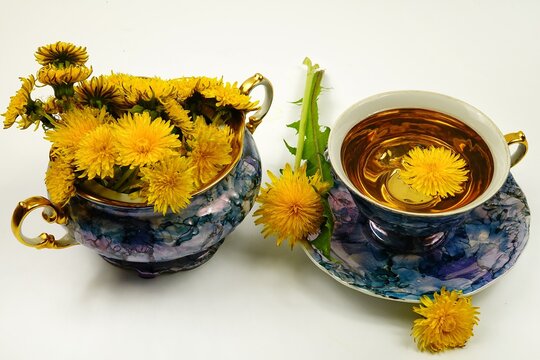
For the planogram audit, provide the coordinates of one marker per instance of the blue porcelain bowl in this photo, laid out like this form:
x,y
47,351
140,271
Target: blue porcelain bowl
x,y
151,243
128,233
133,236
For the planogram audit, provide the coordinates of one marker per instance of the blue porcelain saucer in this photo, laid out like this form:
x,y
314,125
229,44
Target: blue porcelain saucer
x,y
481,250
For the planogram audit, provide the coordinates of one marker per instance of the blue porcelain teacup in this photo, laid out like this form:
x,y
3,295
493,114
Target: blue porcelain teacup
x,y
419,230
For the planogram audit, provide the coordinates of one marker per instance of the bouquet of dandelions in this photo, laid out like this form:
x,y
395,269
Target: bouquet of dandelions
x,y
157,140
294,207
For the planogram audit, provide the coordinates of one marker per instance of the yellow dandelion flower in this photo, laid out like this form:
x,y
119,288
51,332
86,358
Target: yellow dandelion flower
x,y
122,83
50,106
118,79
448,321
96,154
98,92
52,75
141,141
178,116
205,83
210,149
230,95
168,184
19,102
434,171
185,87
290,207
61,53
74,125
318,183
139,89
60,181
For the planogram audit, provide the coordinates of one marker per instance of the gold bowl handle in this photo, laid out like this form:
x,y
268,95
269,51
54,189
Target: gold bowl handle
x,y
522,146
51,214
246,87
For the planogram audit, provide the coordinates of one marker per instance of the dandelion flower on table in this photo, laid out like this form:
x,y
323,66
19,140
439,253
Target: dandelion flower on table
x,y
18,105
448,321
60,181
141,140
52,75
96,155
61,53
72,127
434,171
291,207
168,183
210,149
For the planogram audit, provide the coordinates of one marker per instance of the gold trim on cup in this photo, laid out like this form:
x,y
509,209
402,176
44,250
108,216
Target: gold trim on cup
x,y
519,139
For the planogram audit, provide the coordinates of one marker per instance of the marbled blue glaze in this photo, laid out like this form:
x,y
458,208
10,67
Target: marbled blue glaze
x,y
127,236
408,232
484,247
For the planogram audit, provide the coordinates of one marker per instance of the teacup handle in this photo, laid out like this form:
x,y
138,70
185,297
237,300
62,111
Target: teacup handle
x,y
51,214
520,140
246,87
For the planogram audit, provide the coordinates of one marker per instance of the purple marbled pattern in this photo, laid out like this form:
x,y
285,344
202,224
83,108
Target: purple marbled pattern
x,y
135,237
484,247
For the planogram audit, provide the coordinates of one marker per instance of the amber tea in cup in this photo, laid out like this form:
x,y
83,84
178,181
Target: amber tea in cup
x,y
373,149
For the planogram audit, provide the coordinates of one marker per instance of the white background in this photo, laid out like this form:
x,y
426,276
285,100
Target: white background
x,y
254,300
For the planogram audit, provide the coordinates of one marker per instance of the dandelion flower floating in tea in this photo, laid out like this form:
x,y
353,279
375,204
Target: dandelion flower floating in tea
x,y
447,321
434,171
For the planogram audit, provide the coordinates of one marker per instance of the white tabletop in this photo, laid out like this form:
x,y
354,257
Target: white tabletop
x,y
253,300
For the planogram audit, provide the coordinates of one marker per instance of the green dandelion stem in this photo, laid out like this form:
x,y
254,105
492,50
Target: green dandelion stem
x,y
51,119
125,180
314,76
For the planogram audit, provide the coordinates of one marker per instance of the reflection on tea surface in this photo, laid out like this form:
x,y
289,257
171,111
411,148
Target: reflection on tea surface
x,y
372,153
